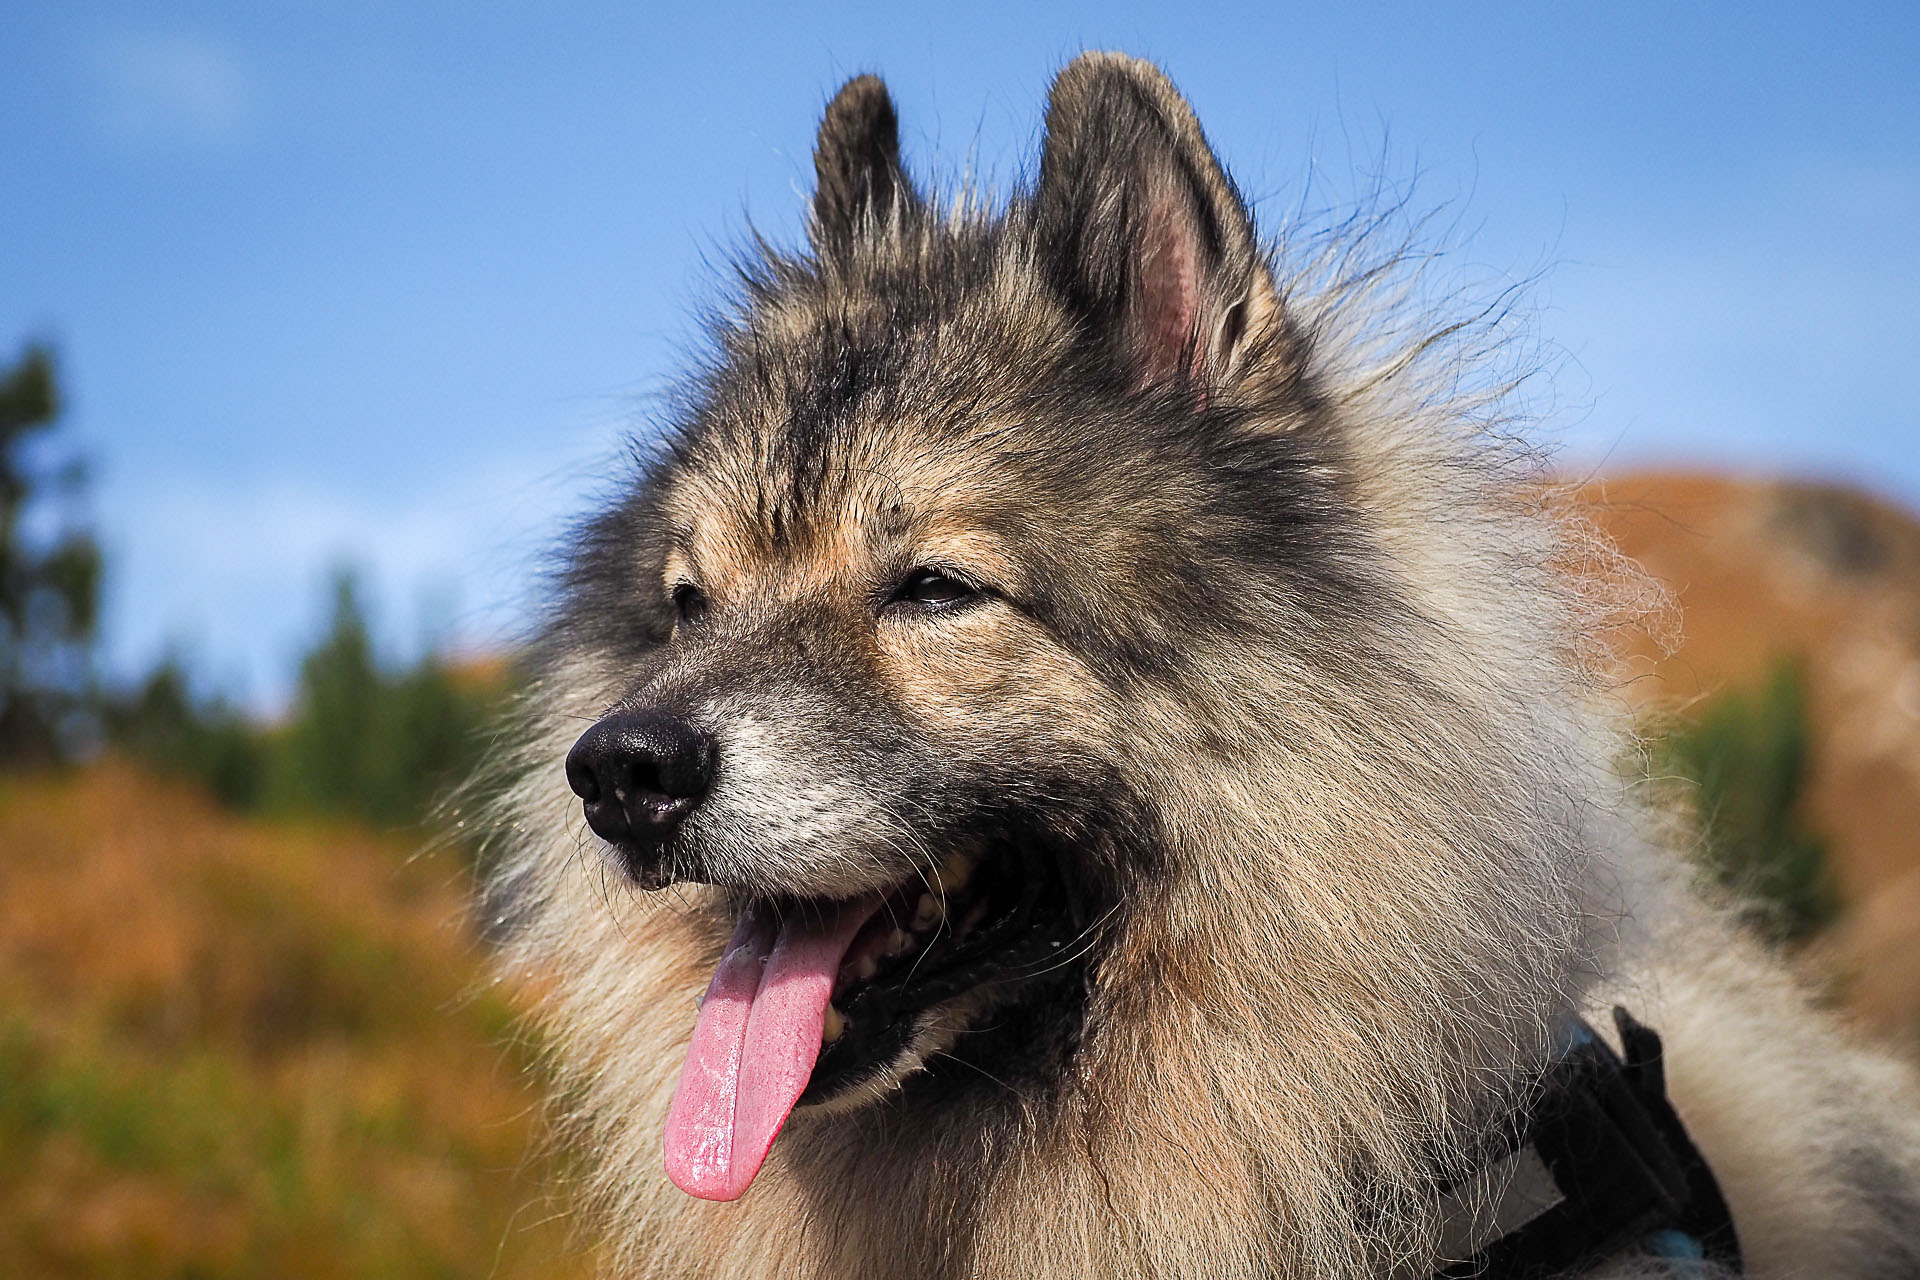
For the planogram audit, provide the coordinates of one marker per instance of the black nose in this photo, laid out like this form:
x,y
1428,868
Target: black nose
x,y
640,774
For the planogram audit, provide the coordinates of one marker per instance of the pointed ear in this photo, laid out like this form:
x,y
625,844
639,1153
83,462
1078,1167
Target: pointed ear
x,y
862,186
1144,232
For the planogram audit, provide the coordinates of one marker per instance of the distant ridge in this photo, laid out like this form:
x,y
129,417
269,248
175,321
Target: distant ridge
x,y
1767,568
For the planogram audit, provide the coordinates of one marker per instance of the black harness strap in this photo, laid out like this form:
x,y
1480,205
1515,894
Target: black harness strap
x,y
1601,1165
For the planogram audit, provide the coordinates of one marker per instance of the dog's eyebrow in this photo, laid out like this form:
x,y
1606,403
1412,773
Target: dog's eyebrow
x,y
894,515
677,564
897,519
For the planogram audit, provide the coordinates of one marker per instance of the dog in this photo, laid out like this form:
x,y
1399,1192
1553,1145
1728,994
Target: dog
x,y
1084,751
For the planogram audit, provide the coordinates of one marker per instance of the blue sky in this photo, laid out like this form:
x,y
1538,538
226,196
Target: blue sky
x,y
385,284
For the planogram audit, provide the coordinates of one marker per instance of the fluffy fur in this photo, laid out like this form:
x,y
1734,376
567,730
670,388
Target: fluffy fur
x,y
1285,648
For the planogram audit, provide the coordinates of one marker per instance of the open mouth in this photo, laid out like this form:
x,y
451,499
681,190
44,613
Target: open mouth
x,y
811,998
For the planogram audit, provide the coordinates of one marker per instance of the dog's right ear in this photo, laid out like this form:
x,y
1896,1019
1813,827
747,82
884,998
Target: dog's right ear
x,y
862,187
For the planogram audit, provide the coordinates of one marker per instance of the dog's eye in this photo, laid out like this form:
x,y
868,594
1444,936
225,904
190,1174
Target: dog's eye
x,y
932,589
689,602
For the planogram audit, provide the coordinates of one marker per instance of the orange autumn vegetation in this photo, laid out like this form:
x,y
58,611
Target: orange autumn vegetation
x,y
1827,578
233,1049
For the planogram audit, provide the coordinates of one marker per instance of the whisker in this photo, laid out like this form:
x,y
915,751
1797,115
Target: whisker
x,y
1080,945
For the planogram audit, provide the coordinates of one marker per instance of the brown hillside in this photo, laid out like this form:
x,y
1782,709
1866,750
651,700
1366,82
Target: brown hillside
x,y
232,1049
1765,569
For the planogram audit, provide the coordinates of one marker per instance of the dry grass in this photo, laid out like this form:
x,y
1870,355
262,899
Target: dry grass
x,y
232,1049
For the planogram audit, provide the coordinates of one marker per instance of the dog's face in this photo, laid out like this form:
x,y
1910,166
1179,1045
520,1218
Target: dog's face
x,y
964,532
877,655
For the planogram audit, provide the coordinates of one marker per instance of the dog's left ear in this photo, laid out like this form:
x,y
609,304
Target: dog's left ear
x,y
1144,232
862,186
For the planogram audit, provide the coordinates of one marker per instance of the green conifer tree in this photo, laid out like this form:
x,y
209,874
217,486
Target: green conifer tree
x,y
49,581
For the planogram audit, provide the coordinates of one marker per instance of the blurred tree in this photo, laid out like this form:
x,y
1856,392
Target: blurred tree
x,y
362,740
163,724
372,742
322,761
49,582
1746,755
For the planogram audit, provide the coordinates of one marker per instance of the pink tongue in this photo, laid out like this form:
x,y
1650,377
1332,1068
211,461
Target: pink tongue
x,y
753,1048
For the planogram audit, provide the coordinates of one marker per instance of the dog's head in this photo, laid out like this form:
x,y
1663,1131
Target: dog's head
x,y
1003,594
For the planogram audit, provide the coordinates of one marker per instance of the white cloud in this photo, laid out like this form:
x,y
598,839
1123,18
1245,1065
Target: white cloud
x,y
167,89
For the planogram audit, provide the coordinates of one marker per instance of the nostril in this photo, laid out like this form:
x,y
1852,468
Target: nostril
x,y
684,769
580,775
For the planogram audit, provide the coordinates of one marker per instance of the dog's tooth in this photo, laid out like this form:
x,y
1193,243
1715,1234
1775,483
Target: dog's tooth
x,y
952,875
971,921
897,945
865,967
925,911
831,1027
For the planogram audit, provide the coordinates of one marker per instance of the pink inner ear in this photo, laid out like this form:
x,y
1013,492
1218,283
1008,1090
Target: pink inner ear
x,y
1167,300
